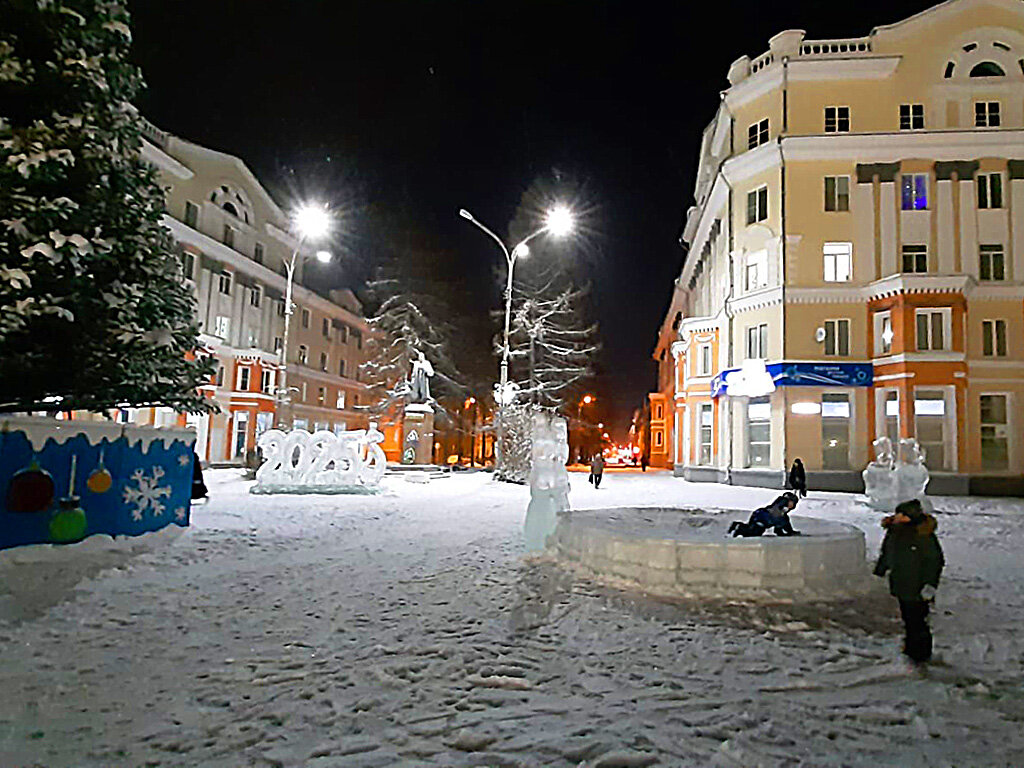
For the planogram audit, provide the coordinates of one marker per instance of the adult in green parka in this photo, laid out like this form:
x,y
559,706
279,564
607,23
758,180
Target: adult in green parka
x,y
912,557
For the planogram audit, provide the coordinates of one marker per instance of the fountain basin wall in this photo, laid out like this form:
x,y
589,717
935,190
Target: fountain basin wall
x,y
684,553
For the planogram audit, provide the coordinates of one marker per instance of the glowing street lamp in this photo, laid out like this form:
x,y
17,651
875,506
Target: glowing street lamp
x,y
311,222
559,222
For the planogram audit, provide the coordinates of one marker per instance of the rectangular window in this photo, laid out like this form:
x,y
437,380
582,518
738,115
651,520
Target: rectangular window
x,y
305,318
229,236
267,382
757,205
931,329
914,191
188,265
756,275
757,341
991,263
759,432
883,333
222,326
835,431
990,190
191,214
224,282
837,119
303,356
325,328
323,361
340,402
837,193
837,338
658,438
930,426
341,367
256,296
278,344
986,114
321,395
280,308
357,336
704,367
342,333
706,428
243,378
257,253
304,392
219,377
838,262
915,258
911,117
995,454
757,134
993,338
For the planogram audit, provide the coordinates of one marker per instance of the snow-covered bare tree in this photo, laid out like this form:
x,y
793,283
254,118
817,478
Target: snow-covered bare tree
x,y
93,311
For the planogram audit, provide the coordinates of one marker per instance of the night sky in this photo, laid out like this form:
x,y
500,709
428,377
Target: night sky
x,y
400,113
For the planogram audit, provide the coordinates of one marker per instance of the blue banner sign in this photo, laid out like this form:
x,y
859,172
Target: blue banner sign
x,y
823,374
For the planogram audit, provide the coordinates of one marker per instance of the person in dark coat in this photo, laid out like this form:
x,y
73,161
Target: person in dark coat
x,y
199,490
774,516
913,558
597,469
798,478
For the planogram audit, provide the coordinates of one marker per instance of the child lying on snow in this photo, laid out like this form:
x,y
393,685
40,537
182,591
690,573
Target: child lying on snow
x,y
775,515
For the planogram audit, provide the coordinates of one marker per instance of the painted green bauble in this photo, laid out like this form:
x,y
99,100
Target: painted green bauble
x,y
68,524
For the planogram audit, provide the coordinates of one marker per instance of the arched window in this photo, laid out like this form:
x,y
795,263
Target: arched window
x,y
950,69
230,208
678,319
987,69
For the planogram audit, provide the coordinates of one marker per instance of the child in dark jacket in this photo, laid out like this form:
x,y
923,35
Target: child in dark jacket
x,y
775,516
912,557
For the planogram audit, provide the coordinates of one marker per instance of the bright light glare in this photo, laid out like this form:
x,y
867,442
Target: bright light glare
x,y
312,221
521,250
588,399
560,221
323,256
887,335
805,408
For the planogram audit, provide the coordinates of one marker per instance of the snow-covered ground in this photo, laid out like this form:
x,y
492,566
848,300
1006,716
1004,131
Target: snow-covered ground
x,y
406,629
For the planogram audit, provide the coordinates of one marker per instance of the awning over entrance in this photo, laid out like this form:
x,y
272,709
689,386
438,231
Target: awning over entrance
x,y
789,374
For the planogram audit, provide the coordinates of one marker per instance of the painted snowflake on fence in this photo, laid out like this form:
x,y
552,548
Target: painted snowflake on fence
x,y
147,494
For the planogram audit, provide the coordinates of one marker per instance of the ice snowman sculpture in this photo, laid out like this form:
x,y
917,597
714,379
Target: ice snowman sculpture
x,y
549,480
889,479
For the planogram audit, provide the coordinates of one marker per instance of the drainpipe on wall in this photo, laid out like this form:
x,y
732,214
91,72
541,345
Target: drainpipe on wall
x,y
732,292
782,244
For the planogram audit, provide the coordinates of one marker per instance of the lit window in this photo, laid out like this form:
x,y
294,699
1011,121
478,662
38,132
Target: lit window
x,y
911,117
837,119
991,262
321,395
986,114
838,262
759,431
990,190
915,258
757,205
993,338
757,134
756,270
837,193
340,402
914,191
837,338
222,326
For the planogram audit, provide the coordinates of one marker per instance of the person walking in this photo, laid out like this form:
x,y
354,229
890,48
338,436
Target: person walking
x,y
199,490
596,469
798,478
643,462
912,556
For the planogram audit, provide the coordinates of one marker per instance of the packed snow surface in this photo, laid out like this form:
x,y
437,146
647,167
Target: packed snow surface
x,y
407,629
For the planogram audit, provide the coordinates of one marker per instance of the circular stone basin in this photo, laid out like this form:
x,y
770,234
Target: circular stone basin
x,y
686,552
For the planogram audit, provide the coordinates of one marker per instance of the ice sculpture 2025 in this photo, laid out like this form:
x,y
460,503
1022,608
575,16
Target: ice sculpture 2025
x,y
321,462
549,480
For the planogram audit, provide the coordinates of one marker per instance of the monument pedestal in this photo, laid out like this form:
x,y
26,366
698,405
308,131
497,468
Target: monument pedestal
x,y
418,434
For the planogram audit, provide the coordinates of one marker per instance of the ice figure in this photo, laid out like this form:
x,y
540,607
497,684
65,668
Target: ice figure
x,y
549,480
322,462
879,478
888,480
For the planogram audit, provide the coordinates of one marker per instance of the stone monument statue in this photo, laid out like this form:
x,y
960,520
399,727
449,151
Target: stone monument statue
x,y
418,421
419,384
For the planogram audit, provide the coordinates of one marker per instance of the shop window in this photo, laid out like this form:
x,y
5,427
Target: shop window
x,y
993,338
995,454
706,427
759,432
930,426
835,431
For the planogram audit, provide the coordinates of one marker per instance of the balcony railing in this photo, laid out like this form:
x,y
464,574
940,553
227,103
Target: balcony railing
x,y
839,47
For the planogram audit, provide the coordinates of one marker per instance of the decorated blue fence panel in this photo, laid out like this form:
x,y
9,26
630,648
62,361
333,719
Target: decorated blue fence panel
x,y
62,481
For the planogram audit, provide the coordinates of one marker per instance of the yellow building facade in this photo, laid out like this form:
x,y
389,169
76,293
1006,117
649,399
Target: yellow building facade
x,y
855,259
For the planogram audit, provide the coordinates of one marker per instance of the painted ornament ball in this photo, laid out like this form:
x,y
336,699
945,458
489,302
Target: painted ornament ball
x,y
30,490
68,524
99,481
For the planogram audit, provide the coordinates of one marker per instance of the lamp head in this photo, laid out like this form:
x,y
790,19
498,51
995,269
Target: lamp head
x,y
560,221
465,214
312,221
323,256
521,250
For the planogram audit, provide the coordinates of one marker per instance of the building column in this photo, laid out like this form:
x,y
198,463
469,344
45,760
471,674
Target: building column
x,y
1017,228
863,206
967,258
887,219
946,246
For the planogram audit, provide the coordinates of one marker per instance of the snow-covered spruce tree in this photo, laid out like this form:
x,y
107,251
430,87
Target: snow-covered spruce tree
x,y
93,312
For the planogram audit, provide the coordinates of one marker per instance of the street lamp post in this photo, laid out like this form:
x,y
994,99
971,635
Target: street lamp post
x,y
559,221
311,222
